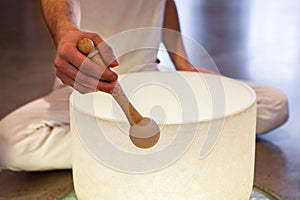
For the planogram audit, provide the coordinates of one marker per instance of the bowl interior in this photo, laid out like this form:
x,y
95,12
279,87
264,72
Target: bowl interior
x,y
171,97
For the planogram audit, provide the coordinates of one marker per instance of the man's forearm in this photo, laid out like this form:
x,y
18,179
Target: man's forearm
x,y
60,16
173,40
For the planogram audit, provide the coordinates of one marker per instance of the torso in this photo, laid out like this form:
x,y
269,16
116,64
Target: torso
x,y
123,24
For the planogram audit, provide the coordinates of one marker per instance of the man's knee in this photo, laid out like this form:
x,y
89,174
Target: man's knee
x,y
9,154
29,146
272,109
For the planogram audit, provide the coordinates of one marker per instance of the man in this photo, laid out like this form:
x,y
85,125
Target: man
x,y
36,136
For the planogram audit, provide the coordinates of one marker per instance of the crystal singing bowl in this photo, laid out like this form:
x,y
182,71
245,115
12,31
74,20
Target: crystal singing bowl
x,y
206,145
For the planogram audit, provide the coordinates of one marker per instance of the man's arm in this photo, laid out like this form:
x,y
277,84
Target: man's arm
x,y
173,41
62,18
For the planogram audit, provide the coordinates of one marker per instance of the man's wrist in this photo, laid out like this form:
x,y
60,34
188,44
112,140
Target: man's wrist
x,y
62,29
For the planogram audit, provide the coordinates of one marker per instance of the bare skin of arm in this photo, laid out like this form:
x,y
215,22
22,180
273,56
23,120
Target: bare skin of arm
x,y
173,42
62,18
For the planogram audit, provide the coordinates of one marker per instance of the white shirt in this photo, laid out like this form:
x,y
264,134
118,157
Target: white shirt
x,y
125,25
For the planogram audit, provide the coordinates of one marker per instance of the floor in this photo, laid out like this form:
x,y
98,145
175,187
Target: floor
x,y
251,40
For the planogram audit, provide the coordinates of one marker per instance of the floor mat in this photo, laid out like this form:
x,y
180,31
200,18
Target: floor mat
x,y
257,194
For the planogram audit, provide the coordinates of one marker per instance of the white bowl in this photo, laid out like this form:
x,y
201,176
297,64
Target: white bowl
x,y
206,149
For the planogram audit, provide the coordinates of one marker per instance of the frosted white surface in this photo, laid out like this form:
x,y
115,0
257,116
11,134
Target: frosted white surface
x,y
206,149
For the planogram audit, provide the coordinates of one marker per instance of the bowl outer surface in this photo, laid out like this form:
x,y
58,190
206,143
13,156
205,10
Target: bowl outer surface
x,y
212,159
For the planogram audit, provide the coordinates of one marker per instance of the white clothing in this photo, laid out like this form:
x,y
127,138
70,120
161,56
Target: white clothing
x,y
111,18
36,136
272,108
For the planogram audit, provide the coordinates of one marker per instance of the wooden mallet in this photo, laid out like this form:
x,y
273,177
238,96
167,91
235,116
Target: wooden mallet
x,y
143,132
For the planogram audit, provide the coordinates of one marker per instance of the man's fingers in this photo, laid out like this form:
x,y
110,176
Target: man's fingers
x,y
97,71
65,67
107,55
93,83
72,55
109,76
106,87
64,78
84,83
69,81
105,50
85,65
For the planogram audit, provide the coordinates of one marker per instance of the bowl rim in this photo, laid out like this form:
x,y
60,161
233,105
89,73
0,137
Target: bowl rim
x,y
245,107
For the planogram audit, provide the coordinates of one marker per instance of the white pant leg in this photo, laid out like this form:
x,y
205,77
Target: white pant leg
x,y
36,136
272,108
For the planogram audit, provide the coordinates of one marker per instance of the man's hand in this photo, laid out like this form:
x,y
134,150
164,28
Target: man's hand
x,y
76,70
198,69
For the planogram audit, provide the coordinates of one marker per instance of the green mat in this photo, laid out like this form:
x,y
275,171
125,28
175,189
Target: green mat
x,y
257,194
